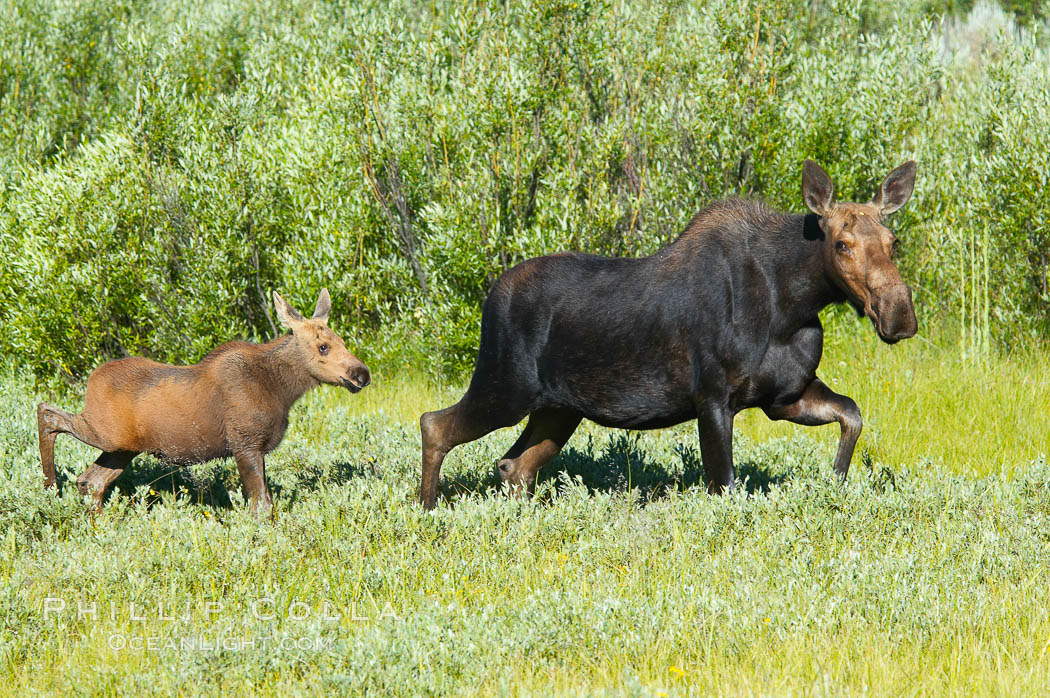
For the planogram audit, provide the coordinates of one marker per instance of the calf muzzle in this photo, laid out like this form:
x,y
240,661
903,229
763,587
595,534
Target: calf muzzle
x,y
357,378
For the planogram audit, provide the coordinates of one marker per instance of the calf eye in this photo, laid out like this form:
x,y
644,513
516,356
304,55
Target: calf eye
x,y
896,246
323,349
842,247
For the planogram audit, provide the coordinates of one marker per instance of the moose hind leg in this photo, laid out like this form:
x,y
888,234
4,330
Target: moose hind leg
x,y
51,422
543,438
818,405
96,480
442,430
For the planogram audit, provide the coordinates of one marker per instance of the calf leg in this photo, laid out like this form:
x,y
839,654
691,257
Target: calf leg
x,y
51,422
716,447
96,480
443,430
252,470
819,404
543,437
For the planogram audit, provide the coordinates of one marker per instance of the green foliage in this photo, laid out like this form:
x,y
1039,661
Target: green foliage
x,y
164,165
1027,12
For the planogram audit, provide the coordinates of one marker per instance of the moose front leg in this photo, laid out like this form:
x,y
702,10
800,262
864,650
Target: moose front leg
x,y
253,475
818,405
716,447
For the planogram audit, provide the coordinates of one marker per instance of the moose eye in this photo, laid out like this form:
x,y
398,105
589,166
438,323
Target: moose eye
x,y
323,349
842,247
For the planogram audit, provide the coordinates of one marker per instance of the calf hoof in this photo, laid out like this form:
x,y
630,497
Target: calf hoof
x,y
85,486
88,486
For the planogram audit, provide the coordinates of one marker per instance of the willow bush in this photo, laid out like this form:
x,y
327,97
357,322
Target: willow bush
x,y
164,165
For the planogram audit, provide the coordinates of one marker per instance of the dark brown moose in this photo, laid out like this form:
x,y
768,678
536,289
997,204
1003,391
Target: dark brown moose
x,y
722,319
234,402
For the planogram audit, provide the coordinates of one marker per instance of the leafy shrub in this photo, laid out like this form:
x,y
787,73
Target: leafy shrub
x,y
164,166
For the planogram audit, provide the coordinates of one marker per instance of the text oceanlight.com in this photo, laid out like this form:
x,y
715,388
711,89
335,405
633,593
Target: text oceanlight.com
x,y
202,643
263,608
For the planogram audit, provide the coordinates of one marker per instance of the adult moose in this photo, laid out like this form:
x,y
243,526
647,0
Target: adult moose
x,y
722,319
235,402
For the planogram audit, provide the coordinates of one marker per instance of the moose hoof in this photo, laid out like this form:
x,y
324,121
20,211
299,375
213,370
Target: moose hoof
x,y
262,509
509,471
86,487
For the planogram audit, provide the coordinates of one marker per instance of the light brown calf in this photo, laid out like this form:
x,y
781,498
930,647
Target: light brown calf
x,y
235,402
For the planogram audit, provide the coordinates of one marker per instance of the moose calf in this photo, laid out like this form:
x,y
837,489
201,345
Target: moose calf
x,y
723,319
235,402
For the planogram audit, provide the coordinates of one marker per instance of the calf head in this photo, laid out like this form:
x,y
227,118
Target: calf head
x,y
858,249
323,353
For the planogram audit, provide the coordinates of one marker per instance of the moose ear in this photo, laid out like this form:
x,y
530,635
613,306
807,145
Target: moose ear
x,y
896,188
817,190
324,306
288,315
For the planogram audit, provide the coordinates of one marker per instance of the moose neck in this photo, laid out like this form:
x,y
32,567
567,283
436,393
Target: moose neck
x,y
286,376
806,288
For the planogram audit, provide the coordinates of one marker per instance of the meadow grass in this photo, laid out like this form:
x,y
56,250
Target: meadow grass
x,y
929,402
923,402
925,574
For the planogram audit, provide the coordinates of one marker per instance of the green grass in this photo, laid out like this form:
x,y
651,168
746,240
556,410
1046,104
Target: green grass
x,y
927,573
925,403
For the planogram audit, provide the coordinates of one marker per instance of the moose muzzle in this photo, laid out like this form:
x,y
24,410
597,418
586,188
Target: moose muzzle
x,y
357,378
893,314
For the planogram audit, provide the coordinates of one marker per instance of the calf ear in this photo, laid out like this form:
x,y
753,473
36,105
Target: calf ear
x,y
817,189
896,188
288,315
324,306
